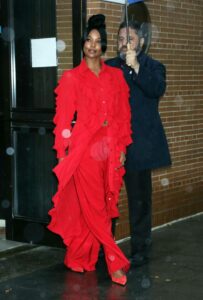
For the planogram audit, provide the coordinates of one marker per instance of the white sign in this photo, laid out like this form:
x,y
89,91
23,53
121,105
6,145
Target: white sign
x,y
43,52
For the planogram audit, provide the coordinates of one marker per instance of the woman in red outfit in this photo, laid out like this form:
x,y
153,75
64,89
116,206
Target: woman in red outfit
x,y
91,156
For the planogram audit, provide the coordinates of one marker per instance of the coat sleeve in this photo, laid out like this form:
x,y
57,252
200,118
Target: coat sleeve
x,y
151,79
124,115
65,109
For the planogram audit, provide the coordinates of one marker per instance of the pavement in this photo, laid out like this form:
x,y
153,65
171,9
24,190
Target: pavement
x,y
175,271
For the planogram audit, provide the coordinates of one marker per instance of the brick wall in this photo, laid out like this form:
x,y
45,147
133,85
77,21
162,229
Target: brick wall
x,y
178,44
64,35
176,41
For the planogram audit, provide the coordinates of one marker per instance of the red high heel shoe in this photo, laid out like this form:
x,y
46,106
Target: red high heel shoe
x,y
119,280
77,269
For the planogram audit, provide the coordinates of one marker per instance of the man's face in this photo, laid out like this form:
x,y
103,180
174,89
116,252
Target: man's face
x,y
122,40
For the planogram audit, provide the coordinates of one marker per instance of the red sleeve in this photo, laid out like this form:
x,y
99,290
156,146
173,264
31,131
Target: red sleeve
x,y
65,109
124,115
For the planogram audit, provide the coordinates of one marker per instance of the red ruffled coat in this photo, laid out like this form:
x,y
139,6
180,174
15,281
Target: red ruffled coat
x,y
95,99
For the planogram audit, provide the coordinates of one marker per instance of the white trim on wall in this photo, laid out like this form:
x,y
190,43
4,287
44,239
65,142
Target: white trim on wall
x,y
115,1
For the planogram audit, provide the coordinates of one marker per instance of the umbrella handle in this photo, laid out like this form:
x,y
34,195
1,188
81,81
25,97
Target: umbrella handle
x,y
126,19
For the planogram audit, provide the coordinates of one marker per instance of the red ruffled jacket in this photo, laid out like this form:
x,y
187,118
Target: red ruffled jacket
x,y
95,99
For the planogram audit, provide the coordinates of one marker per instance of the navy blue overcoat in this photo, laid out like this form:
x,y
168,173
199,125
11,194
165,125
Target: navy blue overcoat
x,y
149,149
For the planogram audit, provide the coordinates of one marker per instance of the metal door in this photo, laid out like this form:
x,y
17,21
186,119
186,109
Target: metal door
x,y
27,183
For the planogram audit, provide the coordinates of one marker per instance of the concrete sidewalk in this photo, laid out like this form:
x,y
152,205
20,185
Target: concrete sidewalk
x,y
174,272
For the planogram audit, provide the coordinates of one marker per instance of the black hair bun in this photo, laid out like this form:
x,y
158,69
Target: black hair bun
x,y
96,21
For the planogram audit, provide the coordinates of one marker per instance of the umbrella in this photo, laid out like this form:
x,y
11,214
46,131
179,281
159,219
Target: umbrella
x,y
137,10
129,2
134,1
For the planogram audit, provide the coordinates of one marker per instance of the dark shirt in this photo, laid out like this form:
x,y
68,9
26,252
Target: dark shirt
x,y
149,149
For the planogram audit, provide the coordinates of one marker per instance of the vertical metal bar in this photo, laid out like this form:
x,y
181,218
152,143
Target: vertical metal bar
x,y
76,31
12,54
15,178
84,15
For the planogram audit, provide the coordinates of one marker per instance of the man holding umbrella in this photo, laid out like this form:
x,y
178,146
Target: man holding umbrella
x,y
146,78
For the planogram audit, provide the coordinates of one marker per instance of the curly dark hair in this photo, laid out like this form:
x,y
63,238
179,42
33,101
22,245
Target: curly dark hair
x,y
135,25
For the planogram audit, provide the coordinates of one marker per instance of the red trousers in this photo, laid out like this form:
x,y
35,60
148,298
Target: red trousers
x,y
84,202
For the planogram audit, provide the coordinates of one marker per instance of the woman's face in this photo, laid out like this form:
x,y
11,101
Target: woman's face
x,y
92,45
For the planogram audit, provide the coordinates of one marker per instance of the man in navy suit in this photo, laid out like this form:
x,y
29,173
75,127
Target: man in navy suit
x,y
146,78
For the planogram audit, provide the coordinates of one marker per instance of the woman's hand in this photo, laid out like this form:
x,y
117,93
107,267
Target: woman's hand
x,y
60,159
122,158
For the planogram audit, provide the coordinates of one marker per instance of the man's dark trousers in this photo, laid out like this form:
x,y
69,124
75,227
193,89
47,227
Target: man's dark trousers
x,y
139,191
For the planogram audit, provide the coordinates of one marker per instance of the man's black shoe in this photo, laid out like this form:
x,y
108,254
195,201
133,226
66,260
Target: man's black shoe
x,y
138,260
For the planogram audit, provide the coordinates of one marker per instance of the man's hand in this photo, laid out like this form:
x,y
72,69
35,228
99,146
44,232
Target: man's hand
x,y
131,58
